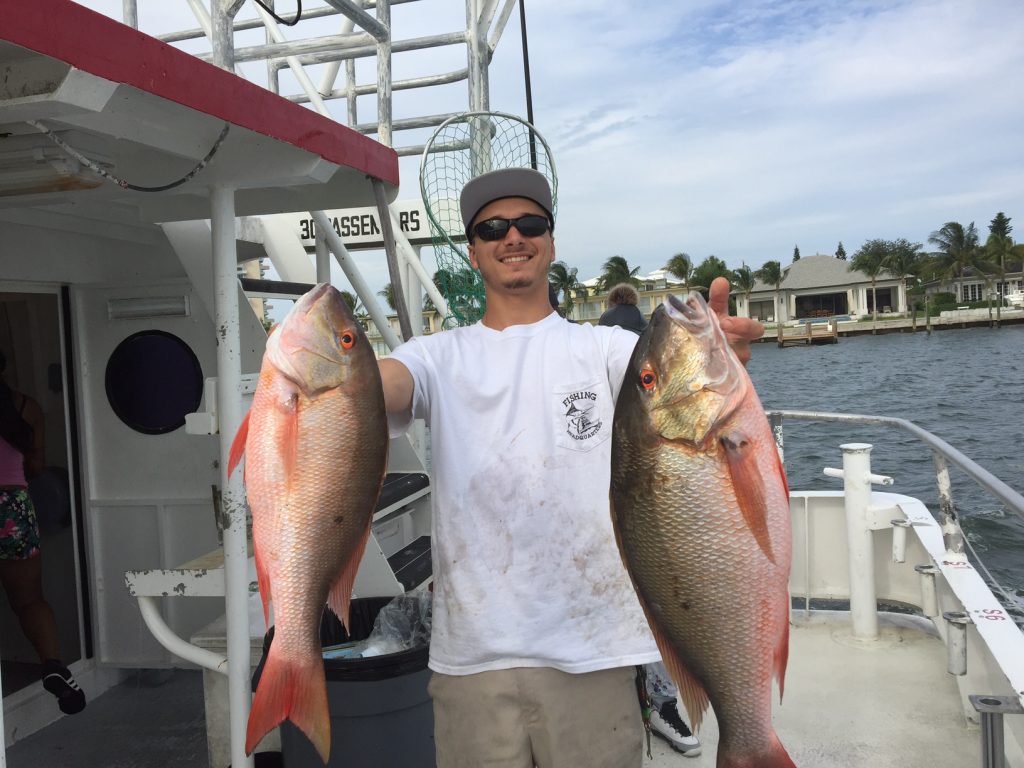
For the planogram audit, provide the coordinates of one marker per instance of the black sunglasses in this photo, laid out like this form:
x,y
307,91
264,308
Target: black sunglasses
x,y
531,225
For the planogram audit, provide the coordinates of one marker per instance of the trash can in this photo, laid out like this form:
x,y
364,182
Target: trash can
x,y
381,715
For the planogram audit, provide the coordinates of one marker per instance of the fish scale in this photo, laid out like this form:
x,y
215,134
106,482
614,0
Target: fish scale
x,y
701,512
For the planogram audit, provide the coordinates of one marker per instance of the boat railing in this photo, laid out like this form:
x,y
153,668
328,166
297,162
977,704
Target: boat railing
x,y
943,455
949,591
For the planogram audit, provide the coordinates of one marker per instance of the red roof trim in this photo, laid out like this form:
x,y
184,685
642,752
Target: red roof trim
x,y
96,44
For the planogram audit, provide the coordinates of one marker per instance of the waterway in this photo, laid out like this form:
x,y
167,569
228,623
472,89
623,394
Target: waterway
x,y
965,386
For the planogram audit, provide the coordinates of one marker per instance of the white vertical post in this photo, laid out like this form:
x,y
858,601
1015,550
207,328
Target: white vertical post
x,y
956,641
323,258
233,508
899,540
929,597
477,75
413,295
384,76
857,491
130,13
229,416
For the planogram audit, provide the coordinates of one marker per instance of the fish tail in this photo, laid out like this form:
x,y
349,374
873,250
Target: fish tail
x,y
291,691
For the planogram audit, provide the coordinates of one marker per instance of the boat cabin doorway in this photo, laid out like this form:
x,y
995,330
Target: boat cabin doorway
x,y
32,343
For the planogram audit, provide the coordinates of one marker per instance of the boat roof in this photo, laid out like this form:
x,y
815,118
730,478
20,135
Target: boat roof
x,y
149,113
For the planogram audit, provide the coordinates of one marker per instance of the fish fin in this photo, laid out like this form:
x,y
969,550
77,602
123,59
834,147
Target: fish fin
x,y
289,445
691,691
618,537
341,590
782,650
238,445
263,579
741,458
291,691
694,697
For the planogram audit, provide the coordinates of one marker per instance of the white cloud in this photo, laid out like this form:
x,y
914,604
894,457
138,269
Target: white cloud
x,y
864,123
743,127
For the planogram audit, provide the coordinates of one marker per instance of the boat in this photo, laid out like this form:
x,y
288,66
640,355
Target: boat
x,y
128,199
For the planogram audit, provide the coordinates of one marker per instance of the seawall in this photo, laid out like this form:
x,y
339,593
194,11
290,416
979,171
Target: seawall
x,y
972,318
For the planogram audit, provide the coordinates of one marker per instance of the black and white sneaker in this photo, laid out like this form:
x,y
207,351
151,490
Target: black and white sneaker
x,y
667,724
59,681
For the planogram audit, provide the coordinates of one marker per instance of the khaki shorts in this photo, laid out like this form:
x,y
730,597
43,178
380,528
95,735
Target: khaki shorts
x,y
518,718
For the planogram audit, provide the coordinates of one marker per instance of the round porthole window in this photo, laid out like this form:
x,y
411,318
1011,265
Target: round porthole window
x,y
153,379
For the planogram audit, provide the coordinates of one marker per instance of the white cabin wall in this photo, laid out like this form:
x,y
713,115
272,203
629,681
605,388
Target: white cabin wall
x,y
147,499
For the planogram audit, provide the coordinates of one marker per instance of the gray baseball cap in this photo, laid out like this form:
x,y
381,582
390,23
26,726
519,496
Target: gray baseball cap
x,y
507,182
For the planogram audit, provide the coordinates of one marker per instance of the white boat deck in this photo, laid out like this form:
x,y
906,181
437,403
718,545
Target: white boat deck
x,y
855,704
847,703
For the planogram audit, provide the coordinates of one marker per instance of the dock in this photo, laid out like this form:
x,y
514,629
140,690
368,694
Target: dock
x,y
811,333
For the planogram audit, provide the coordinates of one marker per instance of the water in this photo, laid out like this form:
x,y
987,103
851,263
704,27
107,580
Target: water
x,y
965,386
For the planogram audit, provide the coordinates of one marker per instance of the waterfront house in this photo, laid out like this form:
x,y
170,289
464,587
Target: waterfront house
x,y
822,286
974,286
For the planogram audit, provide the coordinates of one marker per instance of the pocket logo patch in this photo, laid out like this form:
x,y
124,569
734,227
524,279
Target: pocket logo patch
x,y
582,421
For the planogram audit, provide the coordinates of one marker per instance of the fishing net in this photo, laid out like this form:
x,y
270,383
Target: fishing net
x,y
460,149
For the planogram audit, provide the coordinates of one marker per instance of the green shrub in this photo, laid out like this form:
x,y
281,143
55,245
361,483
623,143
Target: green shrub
x,y
940,302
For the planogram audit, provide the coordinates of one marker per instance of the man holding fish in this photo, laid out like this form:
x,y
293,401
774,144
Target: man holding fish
x,y
537,629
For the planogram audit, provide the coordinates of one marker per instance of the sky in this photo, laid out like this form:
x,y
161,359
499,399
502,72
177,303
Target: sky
x,y
738,128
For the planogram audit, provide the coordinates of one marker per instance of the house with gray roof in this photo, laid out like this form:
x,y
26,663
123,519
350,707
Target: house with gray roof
x,y
822,286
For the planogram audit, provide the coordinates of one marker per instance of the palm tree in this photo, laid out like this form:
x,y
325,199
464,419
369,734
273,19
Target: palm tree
x,y
681,266
772,274
355,306
352,301
998,246
564,279
957,249
903,258
870,259
616,270
388,294
705,273
744,279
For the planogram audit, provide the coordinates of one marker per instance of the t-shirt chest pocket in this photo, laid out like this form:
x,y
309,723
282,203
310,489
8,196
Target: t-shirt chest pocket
x,y
582,416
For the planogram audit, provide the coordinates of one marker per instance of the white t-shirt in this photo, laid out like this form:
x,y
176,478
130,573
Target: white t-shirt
x,y
526,569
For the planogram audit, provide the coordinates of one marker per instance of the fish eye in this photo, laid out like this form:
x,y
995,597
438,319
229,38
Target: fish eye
x,y
648,378
348,340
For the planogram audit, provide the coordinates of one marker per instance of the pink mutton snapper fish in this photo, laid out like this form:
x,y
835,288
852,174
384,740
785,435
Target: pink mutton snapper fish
x,y
315,444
